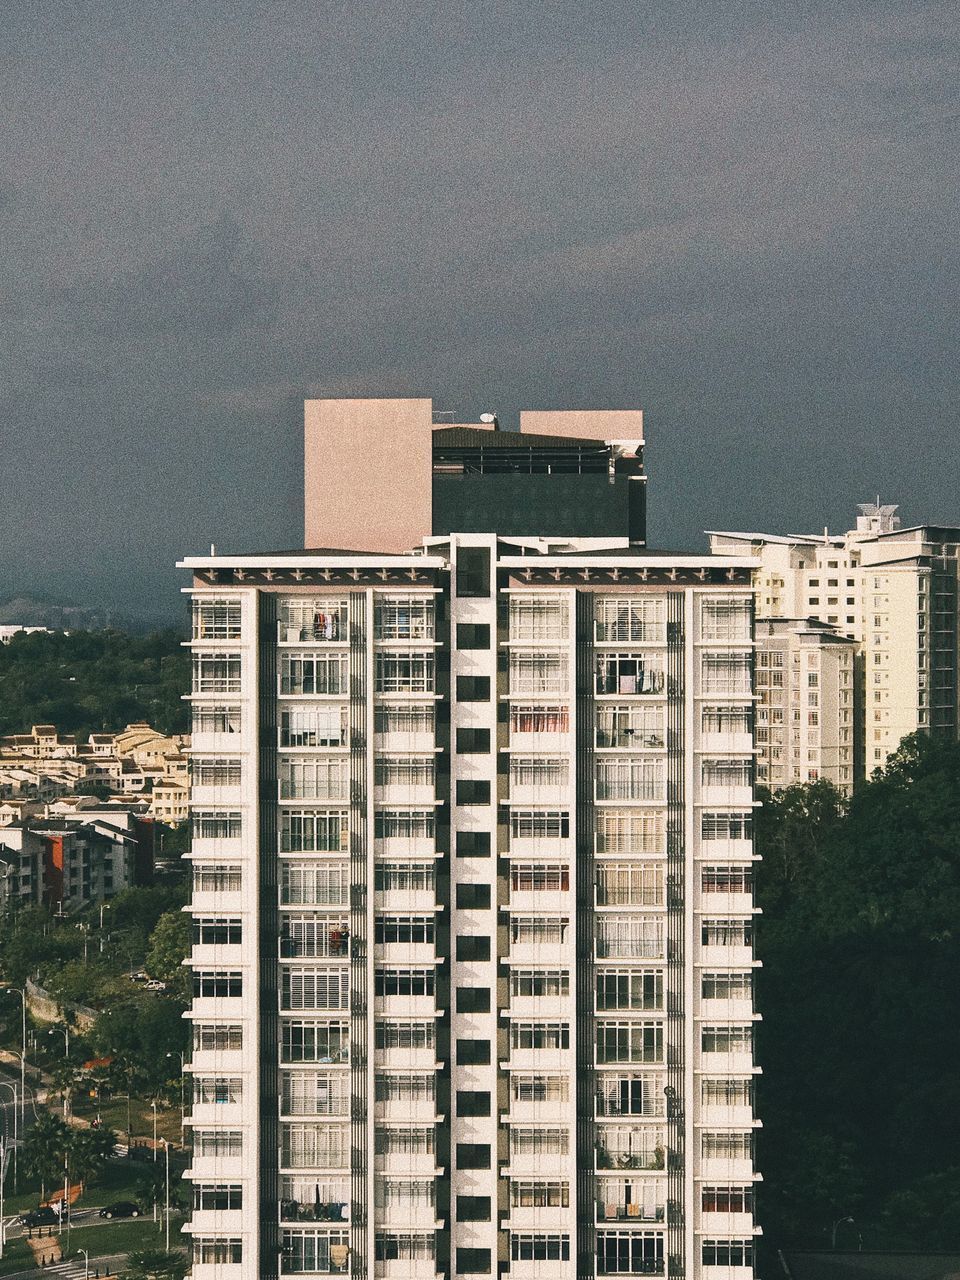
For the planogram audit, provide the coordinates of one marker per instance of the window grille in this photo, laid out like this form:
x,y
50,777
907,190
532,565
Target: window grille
x,y
216,620
640,619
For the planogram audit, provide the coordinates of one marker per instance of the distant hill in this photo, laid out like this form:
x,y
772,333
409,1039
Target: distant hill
x,y
34,611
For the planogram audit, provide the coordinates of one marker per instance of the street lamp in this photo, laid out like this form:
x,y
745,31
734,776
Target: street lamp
x,y
5,1084
839,1223
153,1104
86,1263
166,1194
65,1032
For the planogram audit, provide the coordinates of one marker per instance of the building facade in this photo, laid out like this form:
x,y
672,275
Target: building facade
x,y
473,912
894,591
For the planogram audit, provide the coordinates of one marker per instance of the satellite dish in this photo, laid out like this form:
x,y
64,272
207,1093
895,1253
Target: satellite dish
x,y
488,417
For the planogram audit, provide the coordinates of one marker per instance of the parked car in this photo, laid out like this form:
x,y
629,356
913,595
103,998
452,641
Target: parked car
x,y
120,1209
155,985
140,976
45,1216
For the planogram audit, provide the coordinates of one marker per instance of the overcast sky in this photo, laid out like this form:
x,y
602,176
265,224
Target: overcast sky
x,y
740,217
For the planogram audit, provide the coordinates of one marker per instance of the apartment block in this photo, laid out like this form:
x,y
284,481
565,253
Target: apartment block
x,y
472,893
891,590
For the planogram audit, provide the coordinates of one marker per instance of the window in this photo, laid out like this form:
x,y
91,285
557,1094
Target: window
x,y
728,673
473,999
216,619
539,1088
630,778
392,1246
389,929
539,719
217,1089
540,1035
216,673
473,1102
404,1035
211,824
538,672
539,982
403,771
727,1253
726,933
403,672
473,1262
629,989
404,824
630,831
726,986
473,897
403,719
216,931
473,741
624,618
539,824
526,877
408,876
473,1053
629,884
726,619
473,947
526,1246
310,1251
473,572
313,1041
301,618
403,617
473,635
726,826
314,1093
404,982
219,1037
539,930
728,878
537,1195
403,1088
217,1142
726,1039
314,673
313,936
216,720
319,726
629,725
473,791
473,844
473,1155
217,1251
309,830
726,1199
726,1092
727,719
629,1095
629,1042
629,937
535,618
629,1253
473,1209
473,688
215,771
302,988
539,771
727,773
307,884
726,1145
217,1197
305,1145
209,984
542,1140
217,877
314,779
629,673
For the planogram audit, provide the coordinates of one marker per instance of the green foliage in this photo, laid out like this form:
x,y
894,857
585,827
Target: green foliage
x,y
156,1264
93,681
90,1149
43,1151
146,1035
860,987
169,945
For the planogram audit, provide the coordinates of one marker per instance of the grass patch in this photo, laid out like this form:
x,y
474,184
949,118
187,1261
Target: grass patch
x,y
16,1257
113,1114
104,1238
117,1181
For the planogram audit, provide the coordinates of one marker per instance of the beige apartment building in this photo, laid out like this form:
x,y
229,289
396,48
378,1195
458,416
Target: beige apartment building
x,y
894,592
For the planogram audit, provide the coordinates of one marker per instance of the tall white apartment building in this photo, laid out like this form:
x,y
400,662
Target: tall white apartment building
x,y
473,910
894,591
806,704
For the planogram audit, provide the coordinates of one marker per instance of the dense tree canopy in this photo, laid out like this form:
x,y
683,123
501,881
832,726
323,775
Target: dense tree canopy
x,y
860,996
93,681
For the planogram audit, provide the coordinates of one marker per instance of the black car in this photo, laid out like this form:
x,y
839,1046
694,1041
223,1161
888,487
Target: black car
x,y
121,1209
42,1217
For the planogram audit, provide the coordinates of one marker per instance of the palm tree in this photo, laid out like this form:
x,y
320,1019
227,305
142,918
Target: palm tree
x,y
89,1151
156,1264
44,1150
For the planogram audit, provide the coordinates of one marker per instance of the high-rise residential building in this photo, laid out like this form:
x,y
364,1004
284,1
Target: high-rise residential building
x,y
472,877
894,591
806,704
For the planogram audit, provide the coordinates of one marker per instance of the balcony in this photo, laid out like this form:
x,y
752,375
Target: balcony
x,y
653,1159
623,1211
314,1211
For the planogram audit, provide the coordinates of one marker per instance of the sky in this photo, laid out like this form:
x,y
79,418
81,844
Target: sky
x,y
740,217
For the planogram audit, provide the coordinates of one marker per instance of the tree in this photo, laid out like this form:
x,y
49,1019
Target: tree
x,y
90,1149
169,947
44,1151
156,1264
